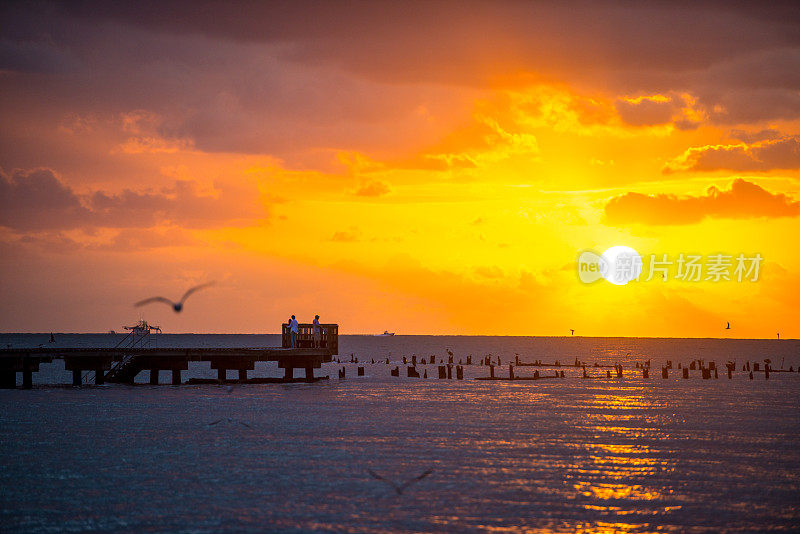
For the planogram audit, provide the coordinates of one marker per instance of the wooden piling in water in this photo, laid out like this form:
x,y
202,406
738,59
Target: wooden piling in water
x,y
459,373
176,377
442,372
76,378
685,373
395,371
360,371
491,371
450,372
664,372
27,379
511,371
153,377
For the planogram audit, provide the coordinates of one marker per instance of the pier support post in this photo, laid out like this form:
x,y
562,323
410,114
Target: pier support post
x,y
99,377
450,372
8,379
176,377
153,377
491,371
222,374
76,377
288,373
685,372
511,371
310,373
646,373
442,372
242,375
27,379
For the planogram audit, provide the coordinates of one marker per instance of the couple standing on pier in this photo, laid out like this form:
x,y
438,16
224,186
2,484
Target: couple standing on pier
x,y
294,328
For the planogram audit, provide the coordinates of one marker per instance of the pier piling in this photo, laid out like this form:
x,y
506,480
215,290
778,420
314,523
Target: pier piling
x,y
27,379
176,377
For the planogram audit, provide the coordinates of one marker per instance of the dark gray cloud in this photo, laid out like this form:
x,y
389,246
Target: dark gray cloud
x,y
33,200
278,77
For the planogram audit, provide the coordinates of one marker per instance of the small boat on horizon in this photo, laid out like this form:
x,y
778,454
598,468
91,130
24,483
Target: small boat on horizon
x,y
386,333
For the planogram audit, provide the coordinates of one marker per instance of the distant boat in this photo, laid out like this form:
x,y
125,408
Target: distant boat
x,y
386,333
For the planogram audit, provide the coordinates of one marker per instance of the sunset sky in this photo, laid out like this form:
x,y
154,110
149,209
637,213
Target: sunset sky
x,y
421,167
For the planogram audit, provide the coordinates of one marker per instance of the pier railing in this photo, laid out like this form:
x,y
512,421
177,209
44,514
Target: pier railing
x,y
305,337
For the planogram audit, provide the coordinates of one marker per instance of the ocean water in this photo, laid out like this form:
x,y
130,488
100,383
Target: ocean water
x,y
570,455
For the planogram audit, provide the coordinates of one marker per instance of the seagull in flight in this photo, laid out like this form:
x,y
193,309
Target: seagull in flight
x,y
399,488
229,420
729,326
177,306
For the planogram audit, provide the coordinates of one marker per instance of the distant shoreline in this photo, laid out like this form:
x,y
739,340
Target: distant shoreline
x,y
405,335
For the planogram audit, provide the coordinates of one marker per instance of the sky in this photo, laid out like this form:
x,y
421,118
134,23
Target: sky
x,y
418,167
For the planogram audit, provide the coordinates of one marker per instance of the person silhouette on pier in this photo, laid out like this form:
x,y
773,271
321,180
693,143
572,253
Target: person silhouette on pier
x,y
294,327
317,332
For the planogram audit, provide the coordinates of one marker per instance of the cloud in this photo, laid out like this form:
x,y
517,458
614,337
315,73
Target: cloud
x,y
755,136
373,188
769,154
351,235
743,200
37,199
679,109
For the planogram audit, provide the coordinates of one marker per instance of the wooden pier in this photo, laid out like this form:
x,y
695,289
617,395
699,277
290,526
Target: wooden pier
x,y
123,364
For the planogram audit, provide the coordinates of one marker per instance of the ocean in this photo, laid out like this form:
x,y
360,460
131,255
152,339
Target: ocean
x,y
560,455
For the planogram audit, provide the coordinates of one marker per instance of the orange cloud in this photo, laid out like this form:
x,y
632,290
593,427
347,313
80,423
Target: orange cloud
x,y
37,200
743,200
373,188
783,153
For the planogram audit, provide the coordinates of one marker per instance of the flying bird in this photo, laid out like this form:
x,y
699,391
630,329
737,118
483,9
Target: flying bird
x,y
229,420
729,326
399,488
177,306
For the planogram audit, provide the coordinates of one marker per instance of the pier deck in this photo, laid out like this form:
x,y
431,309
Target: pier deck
x,y
123,364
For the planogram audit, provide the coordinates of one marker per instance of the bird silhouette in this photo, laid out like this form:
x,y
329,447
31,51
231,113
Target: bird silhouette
x,y
229,420
177,306
729,326
399,488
